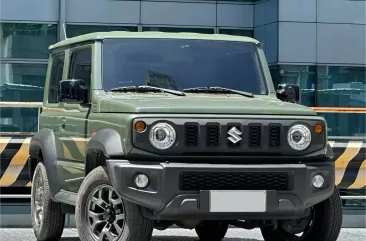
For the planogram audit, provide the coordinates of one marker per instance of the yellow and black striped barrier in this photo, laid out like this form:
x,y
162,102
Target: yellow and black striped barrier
x,y
14,153
349,158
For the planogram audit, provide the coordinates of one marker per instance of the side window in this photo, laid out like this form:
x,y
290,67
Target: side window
x,y
80,66
55,77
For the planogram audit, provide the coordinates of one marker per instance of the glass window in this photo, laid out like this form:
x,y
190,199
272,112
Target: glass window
x,y
238,32
341,86
18,119
273,69
345,124
301,75
26,40
76,30
80,66
182,63
354,203
56,77
179,30
22,82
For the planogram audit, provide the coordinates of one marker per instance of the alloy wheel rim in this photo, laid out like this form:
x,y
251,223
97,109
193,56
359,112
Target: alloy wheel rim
x,y
105,214
38,200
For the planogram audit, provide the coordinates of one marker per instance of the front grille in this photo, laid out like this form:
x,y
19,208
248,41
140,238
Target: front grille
x,y
191,135
274,136
196,181
254,136
212,135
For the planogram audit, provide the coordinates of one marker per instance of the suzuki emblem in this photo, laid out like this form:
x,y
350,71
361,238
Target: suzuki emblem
x,y
234,135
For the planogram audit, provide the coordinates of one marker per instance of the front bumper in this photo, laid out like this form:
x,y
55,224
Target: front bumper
x,y
164,198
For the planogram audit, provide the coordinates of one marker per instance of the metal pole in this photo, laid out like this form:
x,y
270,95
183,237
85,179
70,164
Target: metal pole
x,y
353,197
39,112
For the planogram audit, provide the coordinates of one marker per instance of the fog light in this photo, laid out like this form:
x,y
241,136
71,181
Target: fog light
x,y
141,181
318,181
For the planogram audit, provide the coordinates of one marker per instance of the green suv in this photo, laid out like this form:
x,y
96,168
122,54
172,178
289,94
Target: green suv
x,y
142,131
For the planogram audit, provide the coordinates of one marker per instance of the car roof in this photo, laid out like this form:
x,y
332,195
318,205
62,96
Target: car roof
x,y
123,34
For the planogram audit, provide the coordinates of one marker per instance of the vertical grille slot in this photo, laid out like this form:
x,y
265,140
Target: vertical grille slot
x,y
254,135
212,133
191,135
274,136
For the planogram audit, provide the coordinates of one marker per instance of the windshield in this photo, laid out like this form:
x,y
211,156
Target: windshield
x,y
179,64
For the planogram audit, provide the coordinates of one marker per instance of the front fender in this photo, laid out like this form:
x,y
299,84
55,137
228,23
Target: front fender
x,y
106,144
108,141
44,142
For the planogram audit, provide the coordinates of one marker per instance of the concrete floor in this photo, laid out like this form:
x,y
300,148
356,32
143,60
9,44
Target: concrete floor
x,y
174,234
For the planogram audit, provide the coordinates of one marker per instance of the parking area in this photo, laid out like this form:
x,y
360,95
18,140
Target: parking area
x,y
175,234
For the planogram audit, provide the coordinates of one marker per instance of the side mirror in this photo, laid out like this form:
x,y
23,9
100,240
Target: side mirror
x,y
289,93
73,91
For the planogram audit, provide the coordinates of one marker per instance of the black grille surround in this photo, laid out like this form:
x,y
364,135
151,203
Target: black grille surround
x,y
191,135
274,136
212,135
209,137
197,181
254,135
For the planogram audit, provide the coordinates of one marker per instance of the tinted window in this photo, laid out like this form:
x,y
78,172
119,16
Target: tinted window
x,y
56,77
76,30
345,124
341,86
80,67
303,76
22,82
18,119
26,40
179,64
238,32
180,30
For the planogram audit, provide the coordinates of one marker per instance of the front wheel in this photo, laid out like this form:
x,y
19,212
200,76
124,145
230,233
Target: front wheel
x,y
323,223
48,220
101,215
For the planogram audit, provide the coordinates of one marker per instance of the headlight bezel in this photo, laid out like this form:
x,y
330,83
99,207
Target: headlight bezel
x,y
169,140
306,136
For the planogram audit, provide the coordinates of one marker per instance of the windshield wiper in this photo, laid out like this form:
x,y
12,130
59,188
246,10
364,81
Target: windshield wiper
x,y
146,88
217,90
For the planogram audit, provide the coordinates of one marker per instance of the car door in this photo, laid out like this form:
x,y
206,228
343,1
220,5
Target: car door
x,y
51,111
71,124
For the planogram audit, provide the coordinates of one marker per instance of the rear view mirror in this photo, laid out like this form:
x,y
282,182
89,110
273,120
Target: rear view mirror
x,y
288,93
73,91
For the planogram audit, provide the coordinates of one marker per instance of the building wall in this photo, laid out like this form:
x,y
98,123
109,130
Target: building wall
x,y
266,27
328,31
320,46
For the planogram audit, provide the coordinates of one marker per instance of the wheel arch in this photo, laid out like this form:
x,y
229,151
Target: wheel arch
x,y
43,148
105,144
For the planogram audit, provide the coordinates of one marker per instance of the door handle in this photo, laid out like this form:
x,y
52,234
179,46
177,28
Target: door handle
x,y
63,124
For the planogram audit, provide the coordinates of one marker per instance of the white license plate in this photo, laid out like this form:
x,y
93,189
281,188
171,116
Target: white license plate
x,y
238,201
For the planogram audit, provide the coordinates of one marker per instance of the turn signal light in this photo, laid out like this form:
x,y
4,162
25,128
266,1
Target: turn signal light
x,y
318,128
140,126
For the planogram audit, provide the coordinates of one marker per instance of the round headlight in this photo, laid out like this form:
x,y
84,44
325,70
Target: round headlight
x,y
299,137
162,136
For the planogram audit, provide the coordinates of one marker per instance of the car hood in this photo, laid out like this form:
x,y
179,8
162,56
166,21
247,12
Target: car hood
x,y
197,104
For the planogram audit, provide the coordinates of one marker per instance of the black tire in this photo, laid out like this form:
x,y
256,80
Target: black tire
x,y
136,226
327,223
212,230
51,225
